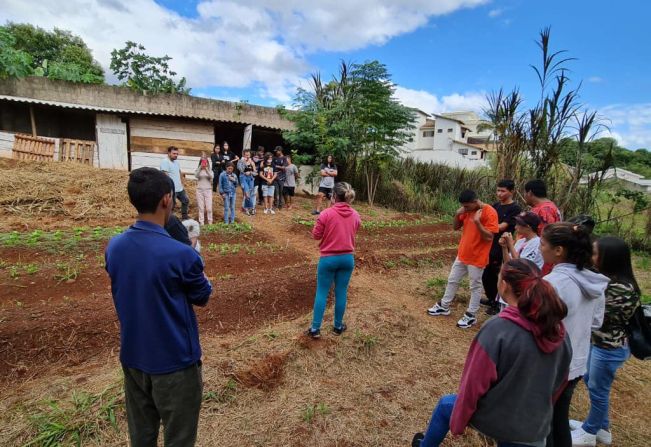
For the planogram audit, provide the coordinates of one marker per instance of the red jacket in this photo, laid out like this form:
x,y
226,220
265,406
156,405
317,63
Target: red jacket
x,y
336,228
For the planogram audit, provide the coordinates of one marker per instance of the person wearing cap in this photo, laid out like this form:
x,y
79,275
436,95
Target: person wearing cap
x,y
527,245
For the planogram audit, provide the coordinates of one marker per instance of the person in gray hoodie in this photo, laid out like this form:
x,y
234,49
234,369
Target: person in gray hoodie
x,y
568,248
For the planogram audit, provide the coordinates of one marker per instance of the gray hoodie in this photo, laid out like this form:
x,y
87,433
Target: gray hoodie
x,y
583,293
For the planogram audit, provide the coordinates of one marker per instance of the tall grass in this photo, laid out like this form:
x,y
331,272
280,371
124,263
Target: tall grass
x,y
409,185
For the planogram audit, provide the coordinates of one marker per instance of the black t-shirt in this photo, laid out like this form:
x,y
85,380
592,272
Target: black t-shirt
x,y
215,159
505,213
280,162
177,230
225,157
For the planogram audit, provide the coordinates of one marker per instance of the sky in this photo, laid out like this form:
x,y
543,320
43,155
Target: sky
x,y
443,55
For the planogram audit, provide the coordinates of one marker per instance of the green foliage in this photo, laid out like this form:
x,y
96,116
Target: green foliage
x,y
59,240
28,50
77,421
144,73
310,412
355,118
597,151
234,228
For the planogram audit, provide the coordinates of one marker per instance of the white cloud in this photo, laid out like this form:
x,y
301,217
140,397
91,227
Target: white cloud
x,y
234,44
495,13
431,103
630,124
595,79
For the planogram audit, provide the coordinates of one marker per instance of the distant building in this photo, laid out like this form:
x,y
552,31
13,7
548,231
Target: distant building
x,y
453,139
628,179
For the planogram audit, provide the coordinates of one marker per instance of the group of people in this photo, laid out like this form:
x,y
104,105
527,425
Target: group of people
x,y
564,300
552,330
266,179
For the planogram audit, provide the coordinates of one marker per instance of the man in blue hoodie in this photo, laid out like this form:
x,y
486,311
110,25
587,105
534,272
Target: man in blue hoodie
x,y
155,281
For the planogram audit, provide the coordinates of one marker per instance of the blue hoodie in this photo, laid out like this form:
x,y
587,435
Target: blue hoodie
x,y
583,293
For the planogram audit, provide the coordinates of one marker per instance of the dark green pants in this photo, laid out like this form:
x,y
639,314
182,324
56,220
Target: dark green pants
x,y
174,398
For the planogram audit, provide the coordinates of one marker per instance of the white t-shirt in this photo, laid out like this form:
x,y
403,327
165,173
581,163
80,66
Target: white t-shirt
x,y
530,249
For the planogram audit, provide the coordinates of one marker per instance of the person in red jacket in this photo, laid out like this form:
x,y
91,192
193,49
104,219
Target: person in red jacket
x,y
516,367
336,228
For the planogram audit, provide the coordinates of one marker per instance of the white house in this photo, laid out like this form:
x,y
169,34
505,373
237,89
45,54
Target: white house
x,y
629,179
452,139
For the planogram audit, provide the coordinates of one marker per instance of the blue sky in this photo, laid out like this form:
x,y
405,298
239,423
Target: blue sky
x,y
443,54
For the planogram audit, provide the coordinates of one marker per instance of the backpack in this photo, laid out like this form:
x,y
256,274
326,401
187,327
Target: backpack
x,y
639,332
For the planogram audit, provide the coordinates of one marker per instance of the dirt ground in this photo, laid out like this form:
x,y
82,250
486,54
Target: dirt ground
x,y
264,382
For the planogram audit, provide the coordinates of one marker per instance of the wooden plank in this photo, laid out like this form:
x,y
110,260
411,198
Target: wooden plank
x,y
32,120
160,145
170,125
173,134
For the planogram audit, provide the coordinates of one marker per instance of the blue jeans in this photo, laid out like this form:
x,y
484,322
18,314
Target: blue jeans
x,y
602,366
439,425
337,269
229,207
246,181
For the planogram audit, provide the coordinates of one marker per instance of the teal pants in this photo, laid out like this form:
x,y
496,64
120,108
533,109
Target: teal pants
x,y
337,269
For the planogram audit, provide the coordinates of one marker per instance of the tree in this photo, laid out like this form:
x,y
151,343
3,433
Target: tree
x,y
144,73
57,54
355,118
13,62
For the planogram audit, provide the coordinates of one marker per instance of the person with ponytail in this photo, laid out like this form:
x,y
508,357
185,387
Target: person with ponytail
x,y
612,257
335,228
517,365
568,248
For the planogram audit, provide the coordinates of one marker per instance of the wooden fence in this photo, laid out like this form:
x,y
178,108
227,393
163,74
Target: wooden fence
x,y
81,151
27,147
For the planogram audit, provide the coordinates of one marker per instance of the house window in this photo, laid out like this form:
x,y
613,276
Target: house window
x,y
473,153
440,130
463,151
428,133
449,130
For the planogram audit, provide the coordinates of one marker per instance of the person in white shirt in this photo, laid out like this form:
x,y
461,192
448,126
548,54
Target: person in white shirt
x,y
170,166
527,246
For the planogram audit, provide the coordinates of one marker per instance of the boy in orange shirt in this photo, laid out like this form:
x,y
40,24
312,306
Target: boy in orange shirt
x,y
479,223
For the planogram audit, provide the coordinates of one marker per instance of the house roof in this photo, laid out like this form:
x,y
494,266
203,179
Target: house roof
x,y
122,100
449,118
473,146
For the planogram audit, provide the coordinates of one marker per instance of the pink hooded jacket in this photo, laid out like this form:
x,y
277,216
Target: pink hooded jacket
x,y
336,228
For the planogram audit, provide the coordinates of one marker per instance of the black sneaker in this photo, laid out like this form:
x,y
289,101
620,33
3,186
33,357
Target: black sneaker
x,y
315,213
493,310
312,333
417,440
340,330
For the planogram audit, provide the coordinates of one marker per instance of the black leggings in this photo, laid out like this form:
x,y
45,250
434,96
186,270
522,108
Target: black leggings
x,y
560,436
215,180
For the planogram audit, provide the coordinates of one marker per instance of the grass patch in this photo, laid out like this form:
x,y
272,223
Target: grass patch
x,y
76,421
234,228
59,239
310,412
365,342
222,396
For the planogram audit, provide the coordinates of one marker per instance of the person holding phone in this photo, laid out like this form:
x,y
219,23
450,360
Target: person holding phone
x,y
205,176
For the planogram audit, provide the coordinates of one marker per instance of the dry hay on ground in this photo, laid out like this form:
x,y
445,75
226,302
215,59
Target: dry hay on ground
x,y
61,190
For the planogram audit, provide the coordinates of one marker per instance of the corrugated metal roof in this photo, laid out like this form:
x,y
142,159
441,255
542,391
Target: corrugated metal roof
x,y
69,105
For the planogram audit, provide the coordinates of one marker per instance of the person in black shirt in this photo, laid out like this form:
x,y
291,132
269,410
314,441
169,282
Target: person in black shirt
x,y
507,210
227,156
174,226
216,165
279,162
258,159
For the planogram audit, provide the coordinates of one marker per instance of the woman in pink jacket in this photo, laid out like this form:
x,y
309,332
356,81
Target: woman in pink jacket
x,y
336,228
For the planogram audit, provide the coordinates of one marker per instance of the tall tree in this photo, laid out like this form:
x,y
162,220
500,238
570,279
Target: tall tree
x,y
144,73
56,54
355,118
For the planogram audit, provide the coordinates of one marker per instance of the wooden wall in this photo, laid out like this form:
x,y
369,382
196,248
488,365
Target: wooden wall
x,y
155,135
6,144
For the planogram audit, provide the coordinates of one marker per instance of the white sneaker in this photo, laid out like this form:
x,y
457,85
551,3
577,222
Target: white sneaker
x,y
466,321
266,211
437,310
603,436
581,438
272,211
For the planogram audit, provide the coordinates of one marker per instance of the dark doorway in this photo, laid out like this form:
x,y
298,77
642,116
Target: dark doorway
x,y
269,138
233,133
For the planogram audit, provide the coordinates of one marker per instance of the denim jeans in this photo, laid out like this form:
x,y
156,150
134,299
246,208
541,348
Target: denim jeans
x,y
229,207
602,366
246,181
439,425
337,269
185,202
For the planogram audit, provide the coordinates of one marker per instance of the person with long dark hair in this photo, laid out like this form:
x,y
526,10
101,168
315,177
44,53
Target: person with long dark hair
x,y
609,350
335,228
215,165
568,248
517,364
